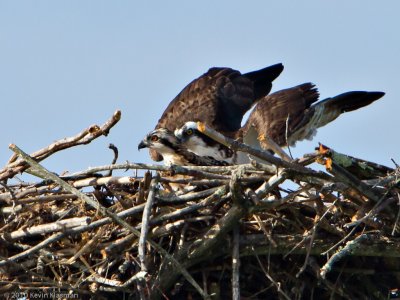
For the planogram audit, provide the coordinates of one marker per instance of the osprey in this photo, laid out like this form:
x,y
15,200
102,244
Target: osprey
x,y
174,153
219,98
165,142
286,117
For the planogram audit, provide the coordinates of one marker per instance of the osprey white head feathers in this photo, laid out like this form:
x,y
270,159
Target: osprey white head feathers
x,y
165,142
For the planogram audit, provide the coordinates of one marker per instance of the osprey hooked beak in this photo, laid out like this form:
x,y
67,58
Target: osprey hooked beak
x,y
143,144
152,139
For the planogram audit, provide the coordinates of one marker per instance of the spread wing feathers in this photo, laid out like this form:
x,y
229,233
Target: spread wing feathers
x,y
282,109
333,107
328,110
292,115
218,98
262,79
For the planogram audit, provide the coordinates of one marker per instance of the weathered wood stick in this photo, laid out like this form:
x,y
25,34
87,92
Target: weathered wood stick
x,y
267,143
236,264
145,223
363,169
189,196
85,137
86,247
371,246
103,180
184,170
350,247
47,228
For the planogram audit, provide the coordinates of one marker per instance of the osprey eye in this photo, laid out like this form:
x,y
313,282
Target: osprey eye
x,y
189,131
154,138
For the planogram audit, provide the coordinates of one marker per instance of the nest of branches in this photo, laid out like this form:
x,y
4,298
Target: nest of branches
x,y
282,230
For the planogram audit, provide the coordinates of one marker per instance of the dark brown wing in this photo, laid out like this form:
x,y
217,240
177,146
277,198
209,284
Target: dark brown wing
x,y
331,108
293,109
218,98
328,110
274,112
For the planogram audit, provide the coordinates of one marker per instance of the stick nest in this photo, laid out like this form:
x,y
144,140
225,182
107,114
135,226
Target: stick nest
x,y
276,231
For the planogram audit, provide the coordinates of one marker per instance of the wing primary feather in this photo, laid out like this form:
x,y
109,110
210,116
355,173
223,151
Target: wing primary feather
x,y
327,110
351,100
262,79
269,73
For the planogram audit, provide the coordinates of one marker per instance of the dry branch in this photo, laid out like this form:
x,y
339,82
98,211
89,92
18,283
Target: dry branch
x,y
115,236
15,166
47,228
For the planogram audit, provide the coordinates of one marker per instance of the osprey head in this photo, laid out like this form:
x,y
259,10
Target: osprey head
x,y
192,138
160,139
164,142
197,142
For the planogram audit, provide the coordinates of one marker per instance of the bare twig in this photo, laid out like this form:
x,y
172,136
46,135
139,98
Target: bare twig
x,y
114,161
350,247
398,215
276,284
145,223
189,209
189,196
287,135
86,136
184,170
215,235
236,265
48,228
268,143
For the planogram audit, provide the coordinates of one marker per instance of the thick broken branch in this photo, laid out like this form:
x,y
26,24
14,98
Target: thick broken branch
x,y
86,136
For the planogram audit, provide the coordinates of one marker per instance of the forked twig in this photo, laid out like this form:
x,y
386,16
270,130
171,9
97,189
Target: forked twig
x,y
85,137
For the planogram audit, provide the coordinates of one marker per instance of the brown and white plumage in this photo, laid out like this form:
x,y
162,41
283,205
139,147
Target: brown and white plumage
x,y
286,116
200,144
219,98
294,114
166,143
270,116
174,153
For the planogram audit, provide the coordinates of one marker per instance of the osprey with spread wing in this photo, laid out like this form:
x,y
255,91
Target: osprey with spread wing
x,y
219,98
286,117
222,96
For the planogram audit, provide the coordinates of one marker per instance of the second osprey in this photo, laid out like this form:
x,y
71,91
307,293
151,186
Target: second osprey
x,y
221,97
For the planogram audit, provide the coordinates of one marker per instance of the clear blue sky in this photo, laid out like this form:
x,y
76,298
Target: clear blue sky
x,y
65,65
